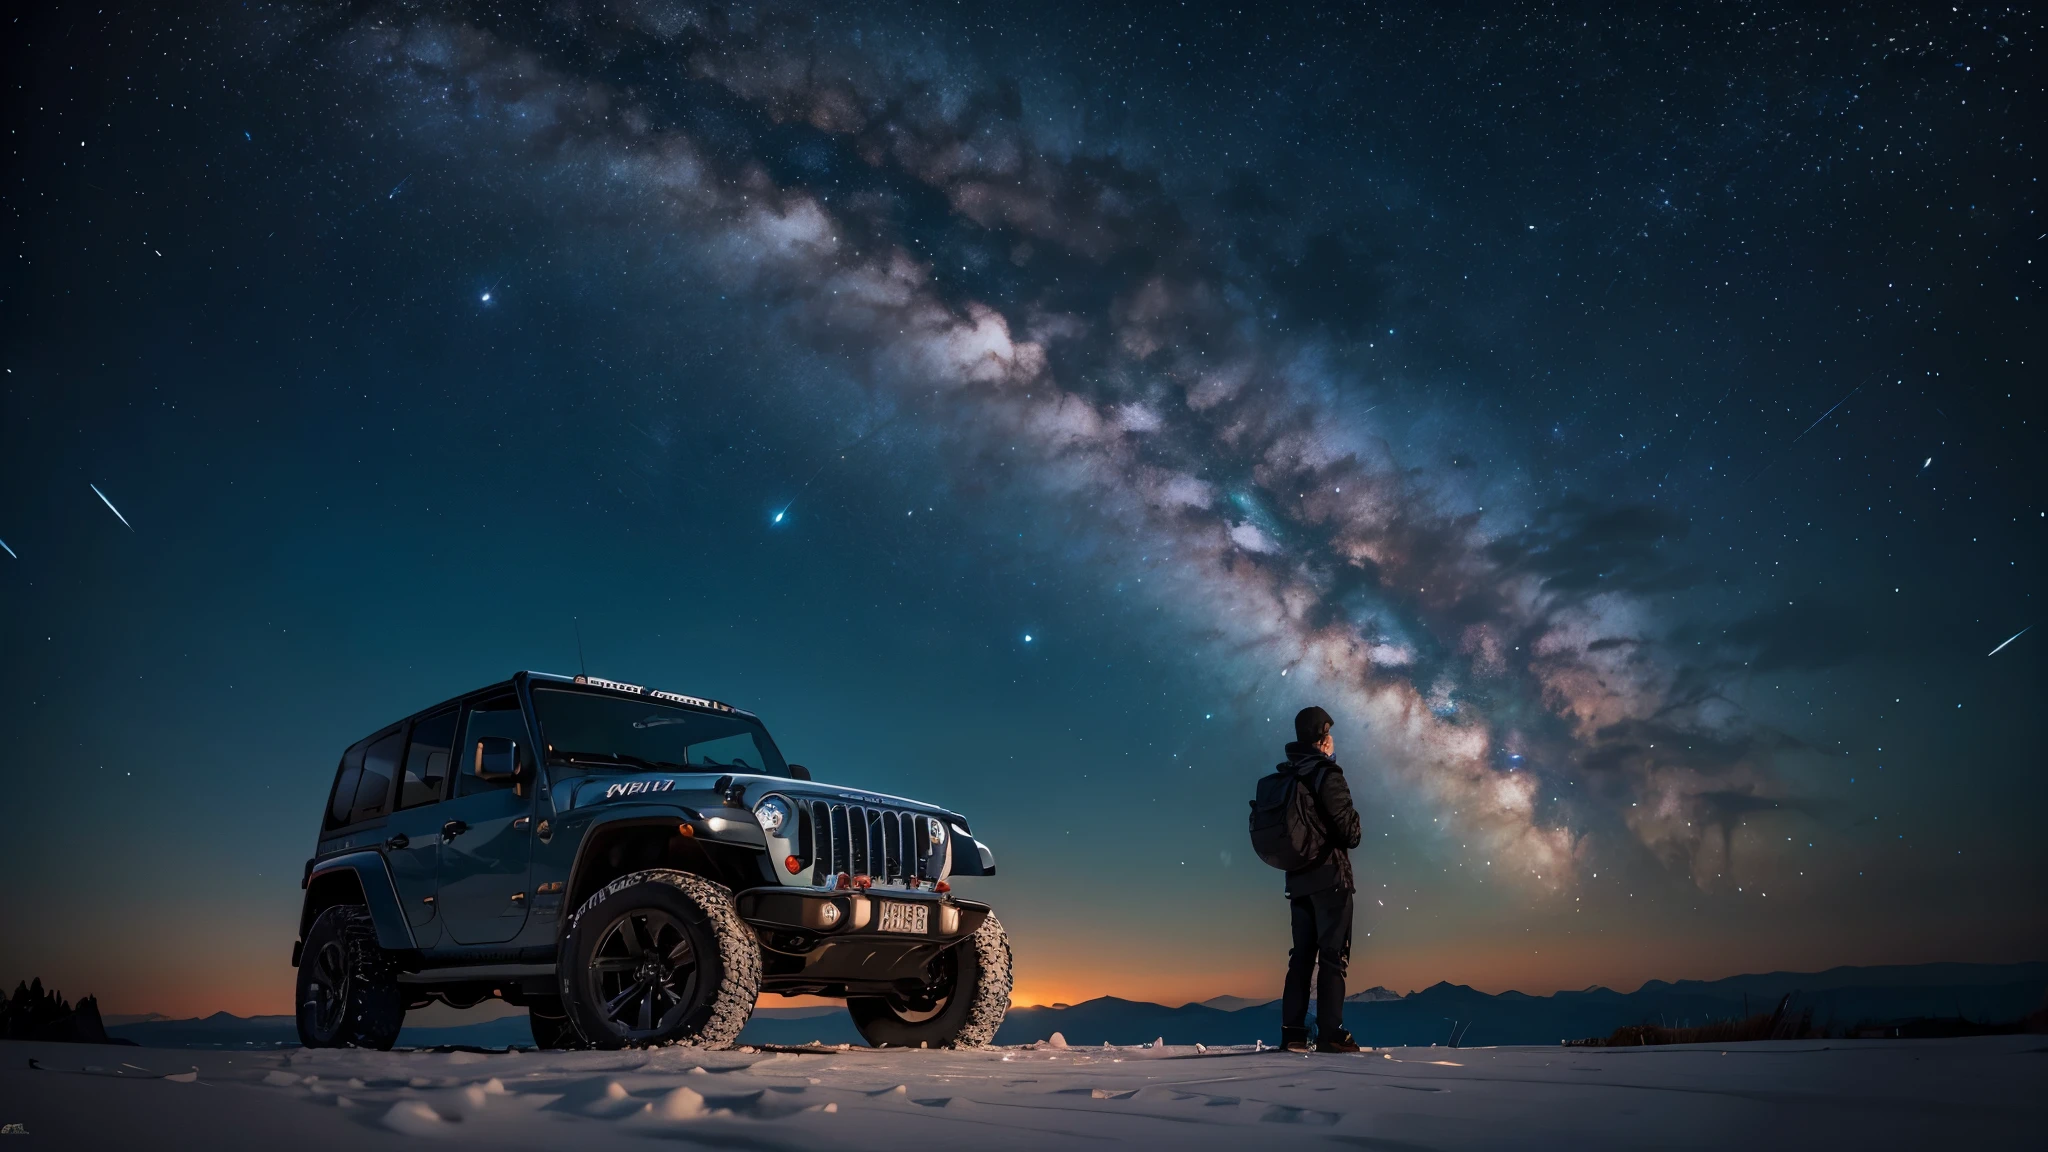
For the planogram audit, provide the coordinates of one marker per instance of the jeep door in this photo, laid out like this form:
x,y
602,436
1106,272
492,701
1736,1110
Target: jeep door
x,y
412,846
487,831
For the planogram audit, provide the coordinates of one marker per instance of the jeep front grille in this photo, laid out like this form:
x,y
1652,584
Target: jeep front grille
x,y
885,844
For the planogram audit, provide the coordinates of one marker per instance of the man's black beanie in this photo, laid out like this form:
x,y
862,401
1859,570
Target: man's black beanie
x,y
1311,724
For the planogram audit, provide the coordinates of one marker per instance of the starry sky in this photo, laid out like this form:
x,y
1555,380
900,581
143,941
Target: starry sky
x,y
1627,426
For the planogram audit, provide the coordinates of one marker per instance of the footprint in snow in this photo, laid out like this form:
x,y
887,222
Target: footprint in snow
x,y
1283,1114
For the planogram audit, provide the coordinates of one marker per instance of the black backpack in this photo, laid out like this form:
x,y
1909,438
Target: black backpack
x,y
1287,821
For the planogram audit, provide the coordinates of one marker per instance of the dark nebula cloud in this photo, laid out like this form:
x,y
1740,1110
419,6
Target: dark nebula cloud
x,y
1579,547
1810,632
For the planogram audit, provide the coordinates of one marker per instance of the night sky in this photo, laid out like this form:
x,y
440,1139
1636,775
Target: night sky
x,y
1628,427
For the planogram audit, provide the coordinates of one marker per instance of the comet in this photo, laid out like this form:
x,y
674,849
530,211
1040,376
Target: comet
x,y
10,551
110,506
2008,640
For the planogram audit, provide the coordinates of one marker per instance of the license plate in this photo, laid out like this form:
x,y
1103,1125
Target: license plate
x,y
911,918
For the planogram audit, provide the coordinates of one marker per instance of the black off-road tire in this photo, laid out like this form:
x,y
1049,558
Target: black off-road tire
x,y
974,1007
551,1028
703,996
348,993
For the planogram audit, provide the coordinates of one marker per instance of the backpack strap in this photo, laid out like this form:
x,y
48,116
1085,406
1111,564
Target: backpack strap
x,y
1315,795
1315,786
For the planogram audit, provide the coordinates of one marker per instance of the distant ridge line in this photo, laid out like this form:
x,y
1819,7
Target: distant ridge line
x,y
1842,996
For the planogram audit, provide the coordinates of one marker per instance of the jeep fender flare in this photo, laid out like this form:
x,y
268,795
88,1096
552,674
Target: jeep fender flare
x,y
357,877
737,838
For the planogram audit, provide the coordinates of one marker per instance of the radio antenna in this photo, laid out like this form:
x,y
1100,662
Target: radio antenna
x,y
580,663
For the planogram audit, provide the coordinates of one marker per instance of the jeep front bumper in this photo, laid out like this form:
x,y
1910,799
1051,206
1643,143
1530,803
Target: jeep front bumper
x,y
908,916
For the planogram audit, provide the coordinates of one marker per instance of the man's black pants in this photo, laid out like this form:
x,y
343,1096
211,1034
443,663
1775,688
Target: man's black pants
x,y
1322,940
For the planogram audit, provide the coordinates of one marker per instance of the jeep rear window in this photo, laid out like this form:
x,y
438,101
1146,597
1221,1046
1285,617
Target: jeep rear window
x,y
426,760
344,795
380,764
599,731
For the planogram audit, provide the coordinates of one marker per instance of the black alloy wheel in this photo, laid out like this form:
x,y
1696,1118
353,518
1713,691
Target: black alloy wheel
x,y
645,973
659,957
348,993
550,1025
943,978
965,996
328,988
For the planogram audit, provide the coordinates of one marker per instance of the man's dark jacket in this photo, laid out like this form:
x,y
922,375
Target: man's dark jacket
x,y
1340,823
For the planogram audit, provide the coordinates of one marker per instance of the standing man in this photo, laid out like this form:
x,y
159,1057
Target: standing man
x,y
1320,895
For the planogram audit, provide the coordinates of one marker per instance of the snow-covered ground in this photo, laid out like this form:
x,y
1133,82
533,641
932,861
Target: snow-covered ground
x,y
1975,1093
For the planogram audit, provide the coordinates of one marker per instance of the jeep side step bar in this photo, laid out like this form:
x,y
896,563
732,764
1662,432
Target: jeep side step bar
x,y
481,972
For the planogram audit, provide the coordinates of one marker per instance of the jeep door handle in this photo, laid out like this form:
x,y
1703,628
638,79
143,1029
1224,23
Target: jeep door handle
x,y
397,843
452,829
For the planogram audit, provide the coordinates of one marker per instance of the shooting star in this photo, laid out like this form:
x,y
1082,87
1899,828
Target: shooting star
x,y
2009,639
839,455
110,506
1825,415
1810,427
10,551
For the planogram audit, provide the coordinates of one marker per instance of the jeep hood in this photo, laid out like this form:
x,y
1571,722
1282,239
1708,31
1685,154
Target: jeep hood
x,y
698,790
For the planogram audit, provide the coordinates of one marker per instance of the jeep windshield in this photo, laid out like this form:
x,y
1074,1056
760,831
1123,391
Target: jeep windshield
x,y
587,729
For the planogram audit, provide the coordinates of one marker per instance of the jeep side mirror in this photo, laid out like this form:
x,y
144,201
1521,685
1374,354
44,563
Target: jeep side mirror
x,y
495,758
799,772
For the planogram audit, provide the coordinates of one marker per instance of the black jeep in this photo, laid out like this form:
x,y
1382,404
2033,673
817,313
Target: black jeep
x,y
633,867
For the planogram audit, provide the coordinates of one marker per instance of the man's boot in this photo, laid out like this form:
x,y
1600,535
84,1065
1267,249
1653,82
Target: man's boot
x,y
1341,1042
1296,1040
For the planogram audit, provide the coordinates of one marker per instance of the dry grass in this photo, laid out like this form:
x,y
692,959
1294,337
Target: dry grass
x,y
1943,1027
1775,1025
1780,1025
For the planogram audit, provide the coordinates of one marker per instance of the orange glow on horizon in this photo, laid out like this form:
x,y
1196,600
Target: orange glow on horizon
x,y
258,981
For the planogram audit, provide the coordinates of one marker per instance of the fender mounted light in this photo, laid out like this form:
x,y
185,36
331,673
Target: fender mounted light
x,y
685,830
793,864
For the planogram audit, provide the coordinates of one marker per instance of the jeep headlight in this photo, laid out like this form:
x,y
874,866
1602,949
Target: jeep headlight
x,y
773,815
935,830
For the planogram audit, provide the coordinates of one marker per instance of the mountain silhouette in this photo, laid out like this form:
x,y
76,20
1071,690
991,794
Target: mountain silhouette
x,y
1840,998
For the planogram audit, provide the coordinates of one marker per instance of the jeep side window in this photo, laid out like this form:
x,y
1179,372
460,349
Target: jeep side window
x,y
497,716
380,764
426,760
345,779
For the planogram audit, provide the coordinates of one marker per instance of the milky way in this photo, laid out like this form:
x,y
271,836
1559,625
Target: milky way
x,y
1508,660
1624,422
